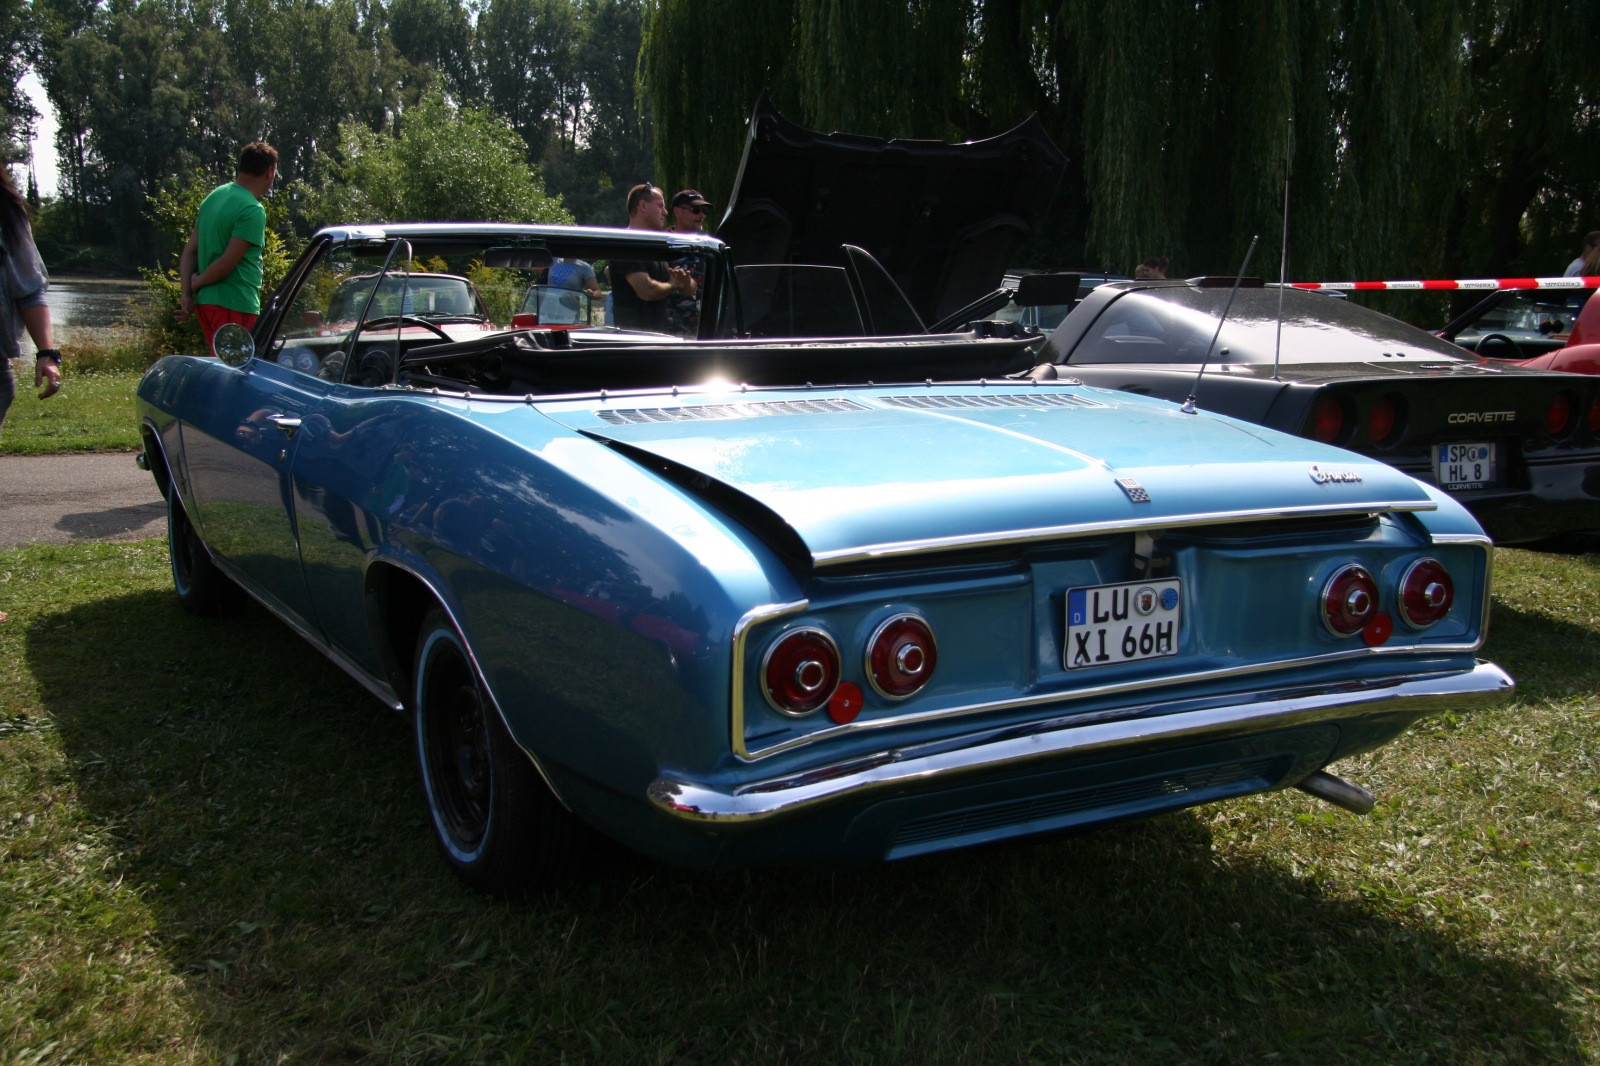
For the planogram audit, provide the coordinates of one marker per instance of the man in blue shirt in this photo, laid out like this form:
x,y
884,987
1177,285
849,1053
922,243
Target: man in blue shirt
x,y
576,275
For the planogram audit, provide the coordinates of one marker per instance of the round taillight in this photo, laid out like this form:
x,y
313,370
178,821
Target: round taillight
x,y
1426,593
1559,416
1380,420
901,656
1349,600
1594,416
1327,425
800,671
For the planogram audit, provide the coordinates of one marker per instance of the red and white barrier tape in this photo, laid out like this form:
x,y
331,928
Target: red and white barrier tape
x,y
1487,284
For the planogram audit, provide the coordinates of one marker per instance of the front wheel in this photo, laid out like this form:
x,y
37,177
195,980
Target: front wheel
x,y
500,827
203,589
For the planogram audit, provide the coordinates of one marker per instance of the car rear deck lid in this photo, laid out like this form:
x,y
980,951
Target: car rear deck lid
x,y
868,475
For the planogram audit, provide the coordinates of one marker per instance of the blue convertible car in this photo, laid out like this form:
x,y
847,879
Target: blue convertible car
x,y
737,600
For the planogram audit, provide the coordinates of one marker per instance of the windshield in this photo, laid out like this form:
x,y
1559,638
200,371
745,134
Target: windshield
x,y
1529,315
1175,325
424,295
513,312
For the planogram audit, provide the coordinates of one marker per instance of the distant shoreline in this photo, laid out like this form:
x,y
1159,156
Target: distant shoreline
x,y
93,279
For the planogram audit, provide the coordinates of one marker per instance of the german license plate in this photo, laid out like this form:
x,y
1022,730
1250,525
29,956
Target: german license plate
x,y
1109,624
1463,466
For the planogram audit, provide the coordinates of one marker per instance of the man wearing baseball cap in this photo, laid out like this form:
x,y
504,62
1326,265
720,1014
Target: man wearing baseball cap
x,y
688,216
689,212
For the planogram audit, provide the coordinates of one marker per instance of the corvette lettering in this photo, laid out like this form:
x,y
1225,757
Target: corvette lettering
x,y
1466,417
1322,477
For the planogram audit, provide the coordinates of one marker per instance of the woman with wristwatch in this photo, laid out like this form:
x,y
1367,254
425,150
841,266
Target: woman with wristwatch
x,y
23,283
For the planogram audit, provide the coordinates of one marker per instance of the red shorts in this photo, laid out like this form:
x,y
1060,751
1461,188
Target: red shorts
x,y
213,317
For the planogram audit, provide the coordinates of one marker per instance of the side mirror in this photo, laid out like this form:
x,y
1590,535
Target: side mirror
x,y
311,318
233,344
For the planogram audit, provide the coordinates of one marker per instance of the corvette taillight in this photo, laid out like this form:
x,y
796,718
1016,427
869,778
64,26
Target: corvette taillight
x,y
901,656
1426,593
800,671
1559,416
1594,416
1329,422
1380,420
1349,601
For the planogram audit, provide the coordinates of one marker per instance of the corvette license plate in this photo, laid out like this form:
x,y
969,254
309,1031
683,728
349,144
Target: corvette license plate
x,y
1463,466
1109,624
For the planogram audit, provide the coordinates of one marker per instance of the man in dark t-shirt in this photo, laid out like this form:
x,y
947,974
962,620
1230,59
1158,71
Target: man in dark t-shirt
x,y
628,309
639,289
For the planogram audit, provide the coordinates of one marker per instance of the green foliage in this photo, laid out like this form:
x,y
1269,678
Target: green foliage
x,y
1429,138
446,163
608,148
20,33
151,91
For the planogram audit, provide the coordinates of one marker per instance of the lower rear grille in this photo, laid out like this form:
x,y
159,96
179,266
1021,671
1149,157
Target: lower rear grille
x,y
1044,813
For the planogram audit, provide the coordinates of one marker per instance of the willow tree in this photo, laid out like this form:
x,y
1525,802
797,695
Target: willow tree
x,y
1407,156
887,69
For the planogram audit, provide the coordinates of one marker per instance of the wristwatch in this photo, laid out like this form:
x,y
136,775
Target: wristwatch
x,y
52,354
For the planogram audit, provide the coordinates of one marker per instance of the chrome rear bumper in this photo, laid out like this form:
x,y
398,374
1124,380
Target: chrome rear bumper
x,y
933,765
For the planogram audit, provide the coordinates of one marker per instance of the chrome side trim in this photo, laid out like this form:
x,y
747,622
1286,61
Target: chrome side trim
x,y
1483,541
741,633
896,549
943,763
372,684
472,657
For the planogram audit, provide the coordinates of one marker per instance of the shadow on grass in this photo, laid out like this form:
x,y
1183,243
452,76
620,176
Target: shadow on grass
x,y
1551,659
268,810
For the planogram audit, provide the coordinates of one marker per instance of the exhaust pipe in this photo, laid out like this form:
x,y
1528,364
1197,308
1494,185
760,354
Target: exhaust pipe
x,y
1339,792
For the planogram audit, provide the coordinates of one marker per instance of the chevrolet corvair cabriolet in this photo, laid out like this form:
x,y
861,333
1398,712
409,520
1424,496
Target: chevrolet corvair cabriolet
x,y
736,601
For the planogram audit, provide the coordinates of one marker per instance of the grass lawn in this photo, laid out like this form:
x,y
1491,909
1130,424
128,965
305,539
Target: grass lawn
x,y
91,413
212,849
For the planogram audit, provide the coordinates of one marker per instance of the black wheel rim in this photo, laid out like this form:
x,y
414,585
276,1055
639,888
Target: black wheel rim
x,y
455,742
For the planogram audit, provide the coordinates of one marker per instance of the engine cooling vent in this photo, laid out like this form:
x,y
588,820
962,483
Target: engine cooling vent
x,y
1044,813
1019,399
712,411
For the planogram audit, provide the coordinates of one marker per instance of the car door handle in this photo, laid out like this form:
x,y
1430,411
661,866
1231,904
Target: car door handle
x,y
285,423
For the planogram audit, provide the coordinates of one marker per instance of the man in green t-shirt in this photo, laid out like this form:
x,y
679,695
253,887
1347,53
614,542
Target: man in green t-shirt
x,y
225,245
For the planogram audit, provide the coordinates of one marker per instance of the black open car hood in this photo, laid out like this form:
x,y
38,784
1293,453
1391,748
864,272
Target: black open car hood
x,y
943,219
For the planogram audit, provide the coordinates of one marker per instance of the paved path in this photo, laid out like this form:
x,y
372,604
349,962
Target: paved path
x,y
57,499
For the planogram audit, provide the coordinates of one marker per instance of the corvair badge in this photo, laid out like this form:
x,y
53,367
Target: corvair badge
x,y
1322,477
1463,417
1136,492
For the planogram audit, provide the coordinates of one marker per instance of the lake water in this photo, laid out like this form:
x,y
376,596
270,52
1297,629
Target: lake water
x,y
84,309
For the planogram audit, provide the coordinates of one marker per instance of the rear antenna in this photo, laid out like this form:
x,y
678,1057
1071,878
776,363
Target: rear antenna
x,y
1283,263
1188,405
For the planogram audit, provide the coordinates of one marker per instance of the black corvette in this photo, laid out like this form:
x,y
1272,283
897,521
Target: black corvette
x,y
1519,447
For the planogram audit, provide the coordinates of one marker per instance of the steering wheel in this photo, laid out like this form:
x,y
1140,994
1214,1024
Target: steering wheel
x,y
408,320
1500,338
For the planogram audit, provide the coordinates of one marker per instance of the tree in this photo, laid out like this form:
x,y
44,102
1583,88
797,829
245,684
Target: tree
x,y
610,148
445,163
20,32
528,65
435,36
1427,137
